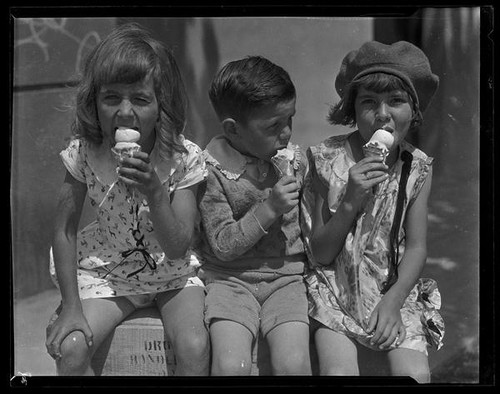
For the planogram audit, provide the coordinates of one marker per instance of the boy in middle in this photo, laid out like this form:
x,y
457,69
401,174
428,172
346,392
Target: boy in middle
x,y
252,247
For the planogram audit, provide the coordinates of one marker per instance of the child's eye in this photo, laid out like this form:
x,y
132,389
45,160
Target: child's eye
x,y
368,101
109,98
141,101
399,100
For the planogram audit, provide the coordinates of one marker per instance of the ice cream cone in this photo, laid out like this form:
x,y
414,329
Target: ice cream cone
x,y
379,145
125,146
126,142
284,161
125,149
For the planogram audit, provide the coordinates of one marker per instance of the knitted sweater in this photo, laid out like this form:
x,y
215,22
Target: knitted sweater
x,y
232,238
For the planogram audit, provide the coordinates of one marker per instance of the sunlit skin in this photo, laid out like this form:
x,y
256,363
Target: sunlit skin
x,y
128,105
391,110
268,129
133,106
80,329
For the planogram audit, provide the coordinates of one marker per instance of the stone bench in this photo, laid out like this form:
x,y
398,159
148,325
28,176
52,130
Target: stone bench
x,y
137,347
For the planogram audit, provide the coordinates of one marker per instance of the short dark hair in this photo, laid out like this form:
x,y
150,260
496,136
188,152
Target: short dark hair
x,y
343,112
242,86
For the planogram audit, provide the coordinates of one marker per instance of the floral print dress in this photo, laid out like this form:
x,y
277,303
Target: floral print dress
x,y
343,294
118,254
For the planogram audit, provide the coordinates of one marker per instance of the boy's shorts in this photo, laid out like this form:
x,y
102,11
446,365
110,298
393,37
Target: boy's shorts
x,y
255,300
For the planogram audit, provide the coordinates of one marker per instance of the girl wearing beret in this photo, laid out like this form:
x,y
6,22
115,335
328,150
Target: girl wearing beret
x,y
365,220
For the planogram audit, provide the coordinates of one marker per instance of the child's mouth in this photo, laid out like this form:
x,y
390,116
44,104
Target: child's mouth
x,y
387,128
127,127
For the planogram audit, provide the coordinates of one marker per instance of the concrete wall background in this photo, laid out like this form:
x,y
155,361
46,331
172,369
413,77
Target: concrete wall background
x,y
47,55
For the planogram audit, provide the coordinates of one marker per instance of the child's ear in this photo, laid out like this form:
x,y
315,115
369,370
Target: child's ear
x,y
229,127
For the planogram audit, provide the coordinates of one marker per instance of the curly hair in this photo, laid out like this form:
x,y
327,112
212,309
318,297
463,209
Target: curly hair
x,y
127,55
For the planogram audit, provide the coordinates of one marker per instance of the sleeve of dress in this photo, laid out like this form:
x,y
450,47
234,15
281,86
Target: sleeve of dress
x,y
195,170
415,183
228,238
73,159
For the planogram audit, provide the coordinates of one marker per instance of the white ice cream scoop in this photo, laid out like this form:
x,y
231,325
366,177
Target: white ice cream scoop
x,y
123,134
285,160
380,144
126,142
383,137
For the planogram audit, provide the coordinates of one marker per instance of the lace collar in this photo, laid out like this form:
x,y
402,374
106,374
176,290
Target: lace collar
x,y
225,158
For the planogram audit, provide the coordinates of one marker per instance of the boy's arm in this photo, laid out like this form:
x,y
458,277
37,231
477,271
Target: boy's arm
x,y
228,237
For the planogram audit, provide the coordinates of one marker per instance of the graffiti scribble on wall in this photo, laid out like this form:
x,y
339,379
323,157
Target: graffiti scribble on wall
x,y
40,32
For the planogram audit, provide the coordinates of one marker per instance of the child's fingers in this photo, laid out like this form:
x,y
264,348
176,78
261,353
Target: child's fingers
x,y
287,179
141,155
376,174
380,335
390,338
141,164
371,159
53,344
372,323
373,179
89,335
401,335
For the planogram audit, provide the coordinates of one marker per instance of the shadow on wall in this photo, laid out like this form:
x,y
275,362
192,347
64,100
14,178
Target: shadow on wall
x,y
194,45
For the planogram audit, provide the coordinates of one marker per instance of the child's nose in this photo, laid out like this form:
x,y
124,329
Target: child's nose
x,y
286,133
125,109
382,112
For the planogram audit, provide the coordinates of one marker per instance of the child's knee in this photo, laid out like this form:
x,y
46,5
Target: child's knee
x,y
412,363
421,375
338,370
192,343
294,363
75,354
231,365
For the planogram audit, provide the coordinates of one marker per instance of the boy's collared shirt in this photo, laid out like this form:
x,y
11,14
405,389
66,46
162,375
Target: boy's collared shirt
x,y
232,163
234,240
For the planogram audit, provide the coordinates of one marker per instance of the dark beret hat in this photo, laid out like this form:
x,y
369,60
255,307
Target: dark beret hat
x,y
401,59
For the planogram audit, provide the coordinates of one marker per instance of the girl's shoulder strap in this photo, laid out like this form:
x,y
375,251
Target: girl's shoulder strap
x,y
421,165
418,155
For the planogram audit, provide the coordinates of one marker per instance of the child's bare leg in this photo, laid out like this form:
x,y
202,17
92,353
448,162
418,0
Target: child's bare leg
x,y
408,362
289,348
337,353
182,315
103,315
231,348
